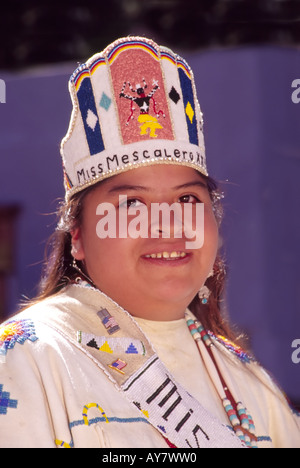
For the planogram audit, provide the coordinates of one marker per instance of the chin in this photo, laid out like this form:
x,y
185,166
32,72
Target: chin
x,y
177,296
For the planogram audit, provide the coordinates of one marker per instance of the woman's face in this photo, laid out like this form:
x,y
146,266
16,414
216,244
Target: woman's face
x,y
151,277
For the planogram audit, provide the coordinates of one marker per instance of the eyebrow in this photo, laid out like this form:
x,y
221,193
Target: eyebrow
x,y
124,187
120,188
193,183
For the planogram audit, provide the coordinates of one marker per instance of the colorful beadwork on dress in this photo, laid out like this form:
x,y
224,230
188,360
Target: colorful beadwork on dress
x,y
5,401
15,331
63,444
86,409
232,347
104,418
112,344
101,418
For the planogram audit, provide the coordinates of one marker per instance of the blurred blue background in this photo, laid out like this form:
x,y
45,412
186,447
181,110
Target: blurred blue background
x,y
252,129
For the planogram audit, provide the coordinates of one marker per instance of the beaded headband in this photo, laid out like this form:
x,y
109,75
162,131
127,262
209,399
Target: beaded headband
x,y
134,104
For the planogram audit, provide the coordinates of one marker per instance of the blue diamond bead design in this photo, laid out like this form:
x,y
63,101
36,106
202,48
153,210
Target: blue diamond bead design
x,y
105,101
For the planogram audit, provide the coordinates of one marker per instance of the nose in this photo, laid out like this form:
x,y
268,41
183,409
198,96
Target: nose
x,y
166,220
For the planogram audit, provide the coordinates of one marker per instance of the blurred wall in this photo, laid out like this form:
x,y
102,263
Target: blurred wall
x,y
252,132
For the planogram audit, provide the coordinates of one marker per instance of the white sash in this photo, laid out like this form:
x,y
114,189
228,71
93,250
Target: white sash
x,y
128,359
173,411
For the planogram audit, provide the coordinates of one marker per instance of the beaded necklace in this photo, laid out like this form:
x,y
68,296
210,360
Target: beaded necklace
x,y
241,422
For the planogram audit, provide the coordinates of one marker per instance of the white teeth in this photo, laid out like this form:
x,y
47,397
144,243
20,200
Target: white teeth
x,y
167,255
173,255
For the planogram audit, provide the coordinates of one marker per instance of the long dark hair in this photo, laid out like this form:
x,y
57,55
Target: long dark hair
x,y
59,270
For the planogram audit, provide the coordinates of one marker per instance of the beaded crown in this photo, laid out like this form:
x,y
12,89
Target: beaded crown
x,y
134,104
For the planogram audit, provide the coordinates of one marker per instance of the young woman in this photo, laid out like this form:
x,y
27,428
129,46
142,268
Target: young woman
x,y
126,345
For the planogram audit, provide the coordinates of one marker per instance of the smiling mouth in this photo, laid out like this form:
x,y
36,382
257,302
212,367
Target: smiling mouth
x,y
167,255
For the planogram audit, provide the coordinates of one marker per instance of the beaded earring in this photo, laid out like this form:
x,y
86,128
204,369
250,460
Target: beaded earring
x,y
76,267
204,294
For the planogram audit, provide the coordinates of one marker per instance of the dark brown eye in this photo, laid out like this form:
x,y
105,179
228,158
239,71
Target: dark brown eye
x,y
189,199
131,202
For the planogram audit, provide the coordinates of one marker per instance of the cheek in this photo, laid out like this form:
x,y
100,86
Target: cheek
x,y
108,257
203,229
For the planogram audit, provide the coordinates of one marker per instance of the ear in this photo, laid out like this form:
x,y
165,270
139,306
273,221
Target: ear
x,y
77,250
